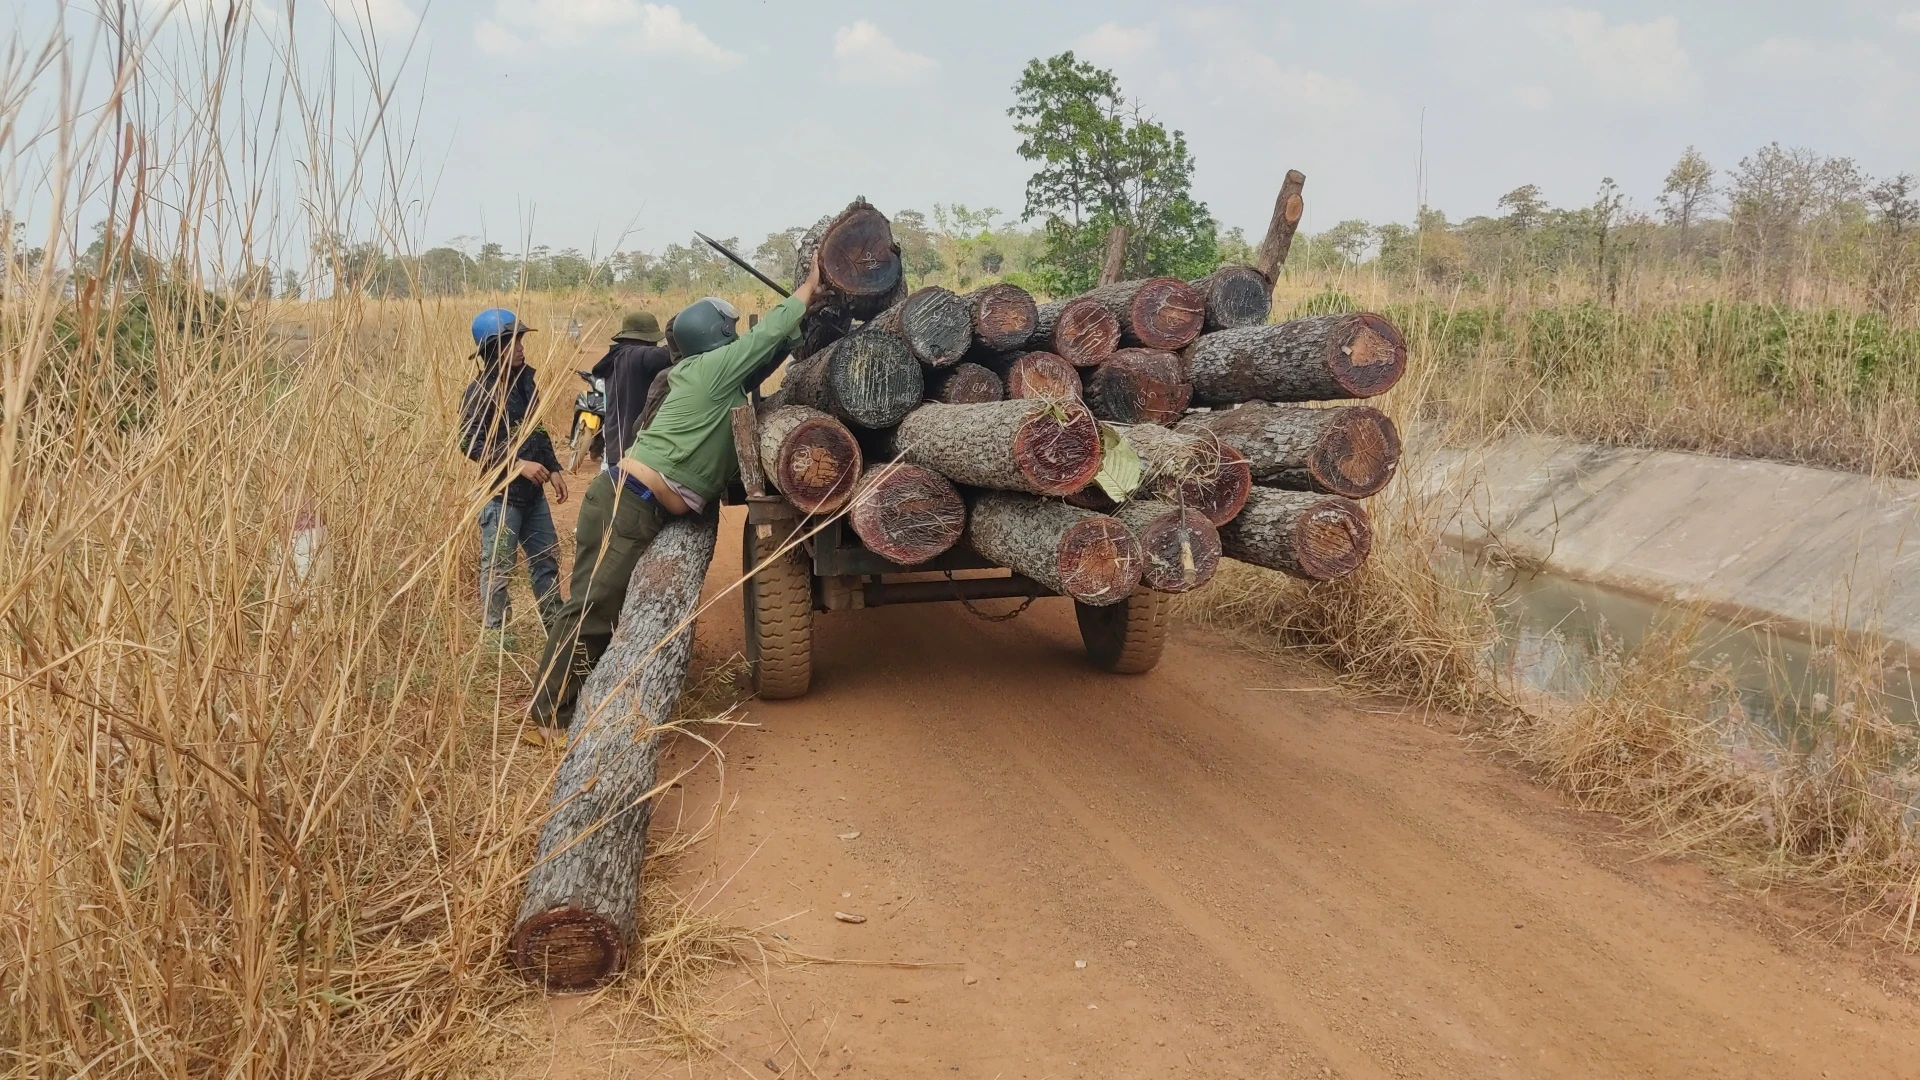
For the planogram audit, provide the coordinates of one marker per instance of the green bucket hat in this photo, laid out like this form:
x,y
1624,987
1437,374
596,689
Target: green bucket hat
x,y
639,326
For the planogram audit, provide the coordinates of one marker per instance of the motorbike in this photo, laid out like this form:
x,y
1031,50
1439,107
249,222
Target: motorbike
x,y
589,417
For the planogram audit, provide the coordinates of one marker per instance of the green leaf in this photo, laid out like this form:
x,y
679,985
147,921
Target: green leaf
x,y
1120,471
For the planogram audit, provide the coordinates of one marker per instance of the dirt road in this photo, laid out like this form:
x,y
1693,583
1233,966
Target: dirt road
x,y
1262,880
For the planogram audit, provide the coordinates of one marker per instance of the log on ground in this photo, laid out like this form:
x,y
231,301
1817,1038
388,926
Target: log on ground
x,y
1191,469
1138,386
1236,296
1080,331
1318,358
860,270
1090,557
1154,313
1181,547
1042,375
1003,316
576,922
966,383
809,457
936,325
1043,447
907,514
865,378
1350,450
1302,533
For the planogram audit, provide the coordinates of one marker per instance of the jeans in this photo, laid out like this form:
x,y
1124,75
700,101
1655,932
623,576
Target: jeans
x,y
505,530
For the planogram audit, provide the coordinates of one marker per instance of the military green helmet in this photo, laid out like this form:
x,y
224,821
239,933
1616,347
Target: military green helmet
x,y
705,325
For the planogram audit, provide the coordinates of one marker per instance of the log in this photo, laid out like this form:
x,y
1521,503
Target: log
x,y
1307,535
1042,375
865,378
1080,331
1287,209
1090,557
1181,547
1154,313
906,514
1350,450
809,457
1192,470
1318,358
577,919
1043,447
1114,262
966,383
860,268
1003,316
1235,296
1138,386
936,325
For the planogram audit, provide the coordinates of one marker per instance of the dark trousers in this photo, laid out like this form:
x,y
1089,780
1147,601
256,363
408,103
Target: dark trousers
x,y
614,529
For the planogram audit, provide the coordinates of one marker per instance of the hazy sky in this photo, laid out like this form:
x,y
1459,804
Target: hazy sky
x,y
744,116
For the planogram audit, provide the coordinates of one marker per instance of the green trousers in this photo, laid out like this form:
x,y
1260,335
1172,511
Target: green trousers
x,y
614,529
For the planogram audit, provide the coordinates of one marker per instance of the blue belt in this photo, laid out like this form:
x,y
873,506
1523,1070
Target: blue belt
x,y
631,483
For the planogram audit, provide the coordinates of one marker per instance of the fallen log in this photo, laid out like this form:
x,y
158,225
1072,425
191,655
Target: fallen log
x,y
1090,557
1138,386
1003,316
906,514
576,921
1154,313
1287,209
1042,375
865,378
1043,447
1350,450
809,457
1080,331
1192,470
1318,358
1307,535
966,383
936,325
1235,296
1181,547
860,270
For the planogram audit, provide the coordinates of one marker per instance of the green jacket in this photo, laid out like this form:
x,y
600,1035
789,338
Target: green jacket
x,y
690,440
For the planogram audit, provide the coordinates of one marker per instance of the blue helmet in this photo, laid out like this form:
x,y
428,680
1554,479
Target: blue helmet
x,y
497,322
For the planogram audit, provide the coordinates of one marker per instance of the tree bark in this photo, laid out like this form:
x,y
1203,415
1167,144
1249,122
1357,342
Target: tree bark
x,y
1286,218
1318,358
1043,447
1139,386
1192,470
1154,313
966,383
866,378
936,325
1236,296
1042,375
906,514
1182,548
1080,331
1311,536
1090,557
1114,263
576,922
1003,316
860,269
809,457
1350,450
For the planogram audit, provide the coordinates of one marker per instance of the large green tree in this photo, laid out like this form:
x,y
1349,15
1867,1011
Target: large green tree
x,y
1103,162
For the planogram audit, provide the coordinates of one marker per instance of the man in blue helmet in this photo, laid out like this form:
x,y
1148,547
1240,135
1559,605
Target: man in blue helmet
x,y
497,430
678,464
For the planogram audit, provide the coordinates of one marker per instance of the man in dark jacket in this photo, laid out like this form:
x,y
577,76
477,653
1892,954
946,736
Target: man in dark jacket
x,y
495,411
630,368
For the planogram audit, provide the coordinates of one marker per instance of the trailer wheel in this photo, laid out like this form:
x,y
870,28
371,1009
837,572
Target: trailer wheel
x,y
1126,638
779,617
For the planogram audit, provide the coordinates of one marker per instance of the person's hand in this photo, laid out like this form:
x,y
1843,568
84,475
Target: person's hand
x,y
559,482
532,470
812,284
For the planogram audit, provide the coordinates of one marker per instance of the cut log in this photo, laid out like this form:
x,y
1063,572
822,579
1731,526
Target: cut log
x,y
1350,450
1003,316
966,383
936,325
1080,331
1090,557
1311,536
1181,546
576,922
1154,313
1318,358
906,514
1138,386
865,378
1236,296
1042,375
1044,447
809,457
1192,470
860,271
1287,209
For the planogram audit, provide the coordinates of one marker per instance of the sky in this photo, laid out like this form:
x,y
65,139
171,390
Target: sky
x,y
604,123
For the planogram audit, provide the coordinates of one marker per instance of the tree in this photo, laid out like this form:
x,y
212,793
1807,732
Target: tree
x,y
1609,206
963,237
1349,239
289,284
1525,208
1895,212
1783,202
1688,194
1103,162
777,254
919,254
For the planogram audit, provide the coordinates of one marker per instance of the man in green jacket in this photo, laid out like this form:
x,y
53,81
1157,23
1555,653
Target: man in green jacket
x,y
678,464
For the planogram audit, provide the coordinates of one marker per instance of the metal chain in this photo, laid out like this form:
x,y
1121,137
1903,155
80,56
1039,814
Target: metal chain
x,y
986,616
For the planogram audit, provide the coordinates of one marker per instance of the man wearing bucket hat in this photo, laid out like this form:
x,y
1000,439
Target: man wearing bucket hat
x,y
632,364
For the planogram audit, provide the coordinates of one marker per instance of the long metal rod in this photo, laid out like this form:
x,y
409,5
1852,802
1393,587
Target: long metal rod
x,y
742,263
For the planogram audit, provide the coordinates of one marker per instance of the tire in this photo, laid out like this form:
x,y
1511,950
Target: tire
x,y
778,603
1126,638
